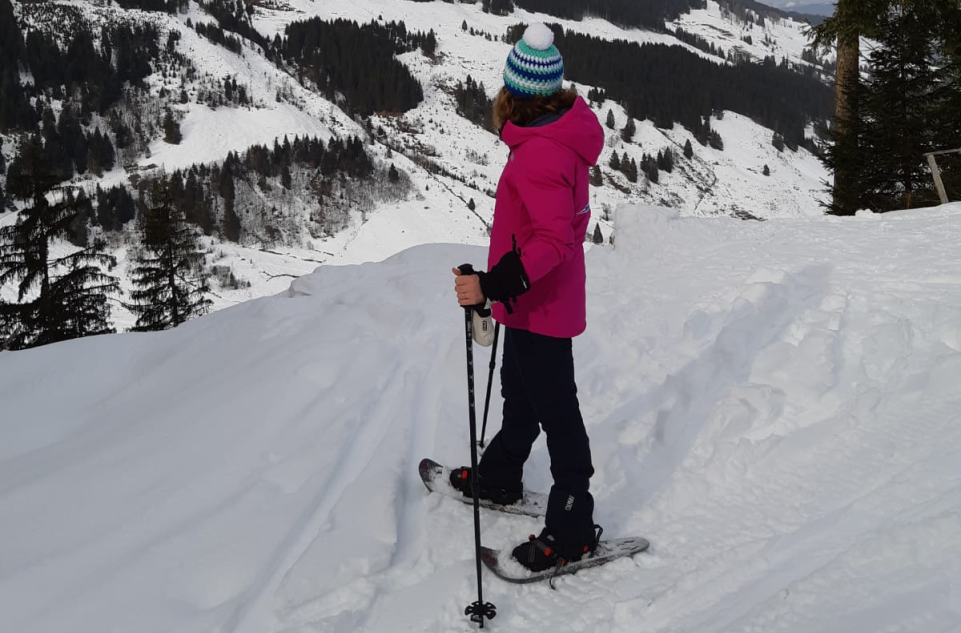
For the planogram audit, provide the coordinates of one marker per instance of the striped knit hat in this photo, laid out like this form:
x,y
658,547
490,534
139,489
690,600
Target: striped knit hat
x,y
534,67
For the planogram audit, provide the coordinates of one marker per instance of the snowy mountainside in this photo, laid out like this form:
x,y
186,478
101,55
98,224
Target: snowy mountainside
x,y
774,405
780,38
811,8
435,207
458,143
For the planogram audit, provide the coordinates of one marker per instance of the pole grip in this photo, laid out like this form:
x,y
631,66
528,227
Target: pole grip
x,y
467,269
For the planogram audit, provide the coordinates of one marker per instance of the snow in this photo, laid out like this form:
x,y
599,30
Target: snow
x,y
785,38
209,134
773,404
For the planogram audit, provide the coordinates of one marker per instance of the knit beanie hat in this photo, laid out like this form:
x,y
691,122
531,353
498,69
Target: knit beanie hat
x,y
535,66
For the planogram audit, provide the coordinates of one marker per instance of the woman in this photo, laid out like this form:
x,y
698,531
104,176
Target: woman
x,y
536,278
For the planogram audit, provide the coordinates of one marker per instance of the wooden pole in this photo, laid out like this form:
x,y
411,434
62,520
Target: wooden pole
x,y
933,162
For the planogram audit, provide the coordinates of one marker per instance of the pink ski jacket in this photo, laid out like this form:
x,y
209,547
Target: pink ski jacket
x,y
542,202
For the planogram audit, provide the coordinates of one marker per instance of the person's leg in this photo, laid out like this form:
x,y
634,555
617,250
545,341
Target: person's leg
x,y
502,465
547,368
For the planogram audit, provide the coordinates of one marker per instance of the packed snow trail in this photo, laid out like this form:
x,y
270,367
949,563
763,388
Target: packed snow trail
x,y
775,405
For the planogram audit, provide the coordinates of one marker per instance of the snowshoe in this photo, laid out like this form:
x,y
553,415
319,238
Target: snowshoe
x,y
436,478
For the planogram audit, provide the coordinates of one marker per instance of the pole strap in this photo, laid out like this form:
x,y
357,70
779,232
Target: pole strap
x,y
490,382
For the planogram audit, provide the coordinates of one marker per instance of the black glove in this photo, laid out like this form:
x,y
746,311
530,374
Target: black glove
x,y
506,280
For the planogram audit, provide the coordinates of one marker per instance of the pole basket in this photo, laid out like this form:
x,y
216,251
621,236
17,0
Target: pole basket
x,y
478,611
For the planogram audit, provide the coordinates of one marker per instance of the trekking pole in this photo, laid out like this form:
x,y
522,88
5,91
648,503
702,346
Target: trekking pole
x,y
477,610
490,381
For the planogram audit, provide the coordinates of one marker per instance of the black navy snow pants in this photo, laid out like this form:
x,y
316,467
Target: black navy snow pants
x,y
537,383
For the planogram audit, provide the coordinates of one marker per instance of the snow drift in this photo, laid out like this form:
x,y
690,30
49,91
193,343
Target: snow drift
x,y
775,405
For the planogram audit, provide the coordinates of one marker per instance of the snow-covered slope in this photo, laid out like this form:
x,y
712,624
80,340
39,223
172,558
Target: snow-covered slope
x,y
778,38
692,189
774,404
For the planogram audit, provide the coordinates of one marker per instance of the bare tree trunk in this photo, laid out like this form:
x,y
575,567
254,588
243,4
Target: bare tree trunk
x,y
846,117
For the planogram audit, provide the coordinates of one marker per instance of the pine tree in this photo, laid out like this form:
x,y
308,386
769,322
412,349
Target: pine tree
x,y
688,149
596,179
778,142
628,131
649,167
615,162
58,298
100,154
430,44
12,100
231,221
171,127
501,7
74,141
78,233
668,160
767,170
471,205
714,140
897,99
115,208
610,119
171,284
57,157
597,238
392,174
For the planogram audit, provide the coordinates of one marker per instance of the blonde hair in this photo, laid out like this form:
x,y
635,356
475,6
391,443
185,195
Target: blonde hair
x,y
523,110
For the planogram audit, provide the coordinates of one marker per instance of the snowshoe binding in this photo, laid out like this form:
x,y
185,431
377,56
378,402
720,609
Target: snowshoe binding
x,y
460,480
544,552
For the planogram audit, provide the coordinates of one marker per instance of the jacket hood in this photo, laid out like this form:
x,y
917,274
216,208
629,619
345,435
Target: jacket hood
x,y
578,129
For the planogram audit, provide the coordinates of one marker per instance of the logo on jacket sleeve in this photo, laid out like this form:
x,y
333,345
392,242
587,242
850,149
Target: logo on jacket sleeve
x,y
586,209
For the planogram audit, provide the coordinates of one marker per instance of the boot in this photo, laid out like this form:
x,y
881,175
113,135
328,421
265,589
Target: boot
x,y
460,479
544,552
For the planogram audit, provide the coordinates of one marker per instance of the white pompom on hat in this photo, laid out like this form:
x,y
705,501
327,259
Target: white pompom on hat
x,y
538,36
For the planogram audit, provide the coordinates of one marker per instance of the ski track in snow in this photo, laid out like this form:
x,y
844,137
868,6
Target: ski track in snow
x,y
774,405
357,457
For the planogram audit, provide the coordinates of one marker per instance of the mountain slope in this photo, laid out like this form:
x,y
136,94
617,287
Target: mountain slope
x,y
773,404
